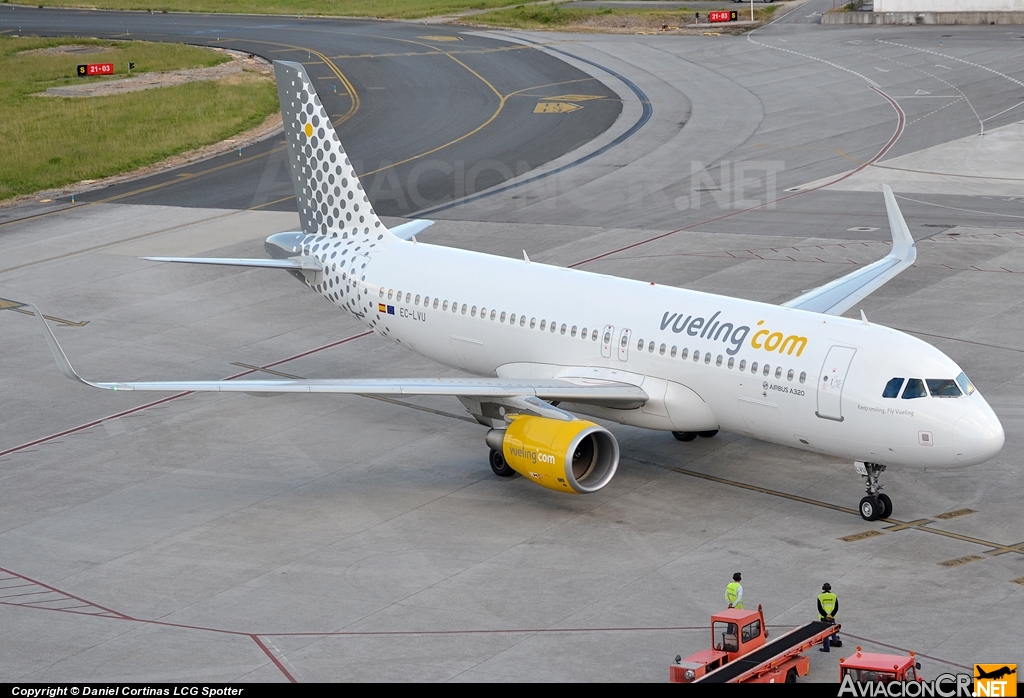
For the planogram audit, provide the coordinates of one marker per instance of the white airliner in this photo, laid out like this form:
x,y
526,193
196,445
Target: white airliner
x,y
546,343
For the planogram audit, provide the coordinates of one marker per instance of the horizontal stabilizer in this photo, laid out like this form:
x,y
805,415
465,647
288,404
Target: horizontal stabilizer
x,y
838,296
580,390
296,263
408,231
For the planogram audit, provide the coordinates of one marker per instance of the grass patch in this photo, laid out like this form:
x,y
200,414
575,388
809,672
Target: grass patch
x,y
398,9
557,17
51,142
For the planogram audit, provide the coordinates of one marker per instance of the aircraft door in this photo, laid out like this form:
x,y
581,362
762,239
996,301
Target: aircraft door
x,y
831,381
624,345
606,341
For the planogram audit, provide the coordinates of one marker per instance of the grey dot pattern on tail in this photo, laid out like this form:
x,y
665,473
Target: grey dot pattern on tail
x,y
331,200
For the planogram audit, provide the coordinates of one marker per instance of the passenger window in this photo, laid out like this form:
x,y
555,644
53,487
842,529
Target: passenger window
x,y
493,313
732,362
915,388
640,345
707,358
661,349
650,347
512,319
583,334
417,301
562,331
942,387
683,353
696,355
803,376
408,297
572,333
767,368
892,388
593,335
391,293
544,324
472,312
463,308
533,322
445,306
623,343
753,367
426,301
778,372
554,325
522,321
789,376
607,335
502,318
743,365
718,361
381,291
673,352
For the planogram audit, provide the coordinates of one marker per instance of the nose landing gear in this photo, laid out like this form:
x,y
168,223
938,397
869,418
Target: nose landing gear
x,y
875,505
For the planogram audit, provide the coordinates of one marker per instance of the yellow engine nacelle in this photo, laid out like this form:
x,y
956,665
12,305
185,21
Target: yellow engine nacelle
x,y
569,456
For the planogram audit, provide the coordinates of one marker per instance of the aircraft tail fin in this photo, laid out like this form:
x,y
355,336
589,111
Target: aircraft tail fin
x,y
331,200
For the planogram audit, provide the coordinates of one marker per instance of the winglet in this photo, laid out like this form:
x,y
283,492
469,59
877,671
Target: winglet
x,y
58,354
903,246
836,297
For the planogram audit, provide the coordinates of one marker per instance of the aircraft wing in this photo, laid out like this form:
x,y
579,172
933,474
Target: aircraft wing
x,y
583,390
838,296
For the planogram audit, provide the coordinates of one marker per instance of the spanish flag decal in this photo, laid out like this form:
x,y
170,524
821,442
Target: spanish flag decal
x,y
381,308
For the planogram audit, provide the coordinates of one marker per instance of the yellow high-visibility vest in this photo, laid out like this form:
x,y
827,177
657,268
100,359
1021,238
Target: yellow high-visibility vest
x,y
828,602
732,592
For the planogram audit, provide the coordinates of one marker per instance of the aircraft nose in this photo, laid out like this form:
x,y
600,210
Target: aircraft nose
x,y
284,245
977,436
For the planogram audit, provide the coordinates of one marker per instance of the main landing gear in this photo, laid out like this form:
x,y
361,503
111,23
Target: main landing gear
x,y
691,435
875,505
499,466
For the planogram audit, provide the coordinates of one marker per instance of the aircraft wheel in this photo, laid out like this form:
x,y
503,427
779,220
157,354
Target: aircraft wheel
x,y
708,434
499,466
870,508
685,435
886,506
791,676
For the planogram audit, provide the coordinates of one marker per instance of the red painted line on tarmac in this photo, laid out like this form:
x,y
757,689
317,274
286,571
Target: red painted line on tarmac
x,y
169,398
275,660
58,591
901,122
115,615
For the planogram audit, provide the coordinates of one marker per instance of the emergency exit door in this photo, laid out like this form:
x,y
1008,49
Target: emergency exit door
x,y
624,345
606,341
831,382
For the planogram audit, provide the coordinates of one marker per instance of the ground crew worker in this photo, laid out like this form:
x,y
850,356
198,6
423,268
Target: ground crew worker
x,y
734,592
828,607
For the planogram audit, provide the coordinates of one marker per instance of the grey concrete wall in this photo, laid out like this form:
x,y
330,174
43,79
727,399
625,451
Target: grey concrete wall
x,y
922,17
949,5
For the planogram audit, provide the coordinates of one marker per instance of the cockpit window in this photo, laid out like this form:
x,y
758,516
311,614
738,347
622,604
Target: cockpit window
x,y
965,383
892,388
942,387
915,388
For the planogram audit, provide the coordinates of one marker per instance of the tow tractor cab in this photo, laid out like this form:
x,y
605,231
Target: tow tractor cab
x,y
734,633
868,667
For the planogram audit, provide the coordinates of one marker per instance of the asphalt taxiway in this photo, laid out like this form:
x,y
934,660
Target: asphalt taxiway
x,y
228,537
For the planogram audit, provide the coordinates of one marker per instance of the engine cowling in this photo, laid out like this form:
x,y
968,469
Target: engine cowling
x,y
573,456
